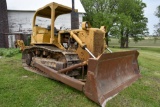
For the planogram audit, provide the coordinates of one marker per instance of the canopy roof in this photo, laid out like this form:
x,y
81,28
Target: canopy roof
x,y
59,9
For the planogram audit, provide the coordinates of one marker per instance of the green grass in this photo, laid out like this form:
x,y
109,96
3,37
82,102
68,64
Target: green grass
x,y
143,43
8,52
21,88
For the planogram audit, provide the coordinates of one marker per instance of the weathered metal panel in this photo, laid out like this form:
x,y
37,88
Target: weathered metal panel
x,y
21,21
11,40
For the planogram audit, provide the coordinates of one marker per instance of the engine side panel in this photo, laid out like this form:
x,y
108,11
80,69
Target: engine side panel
x,y
94,39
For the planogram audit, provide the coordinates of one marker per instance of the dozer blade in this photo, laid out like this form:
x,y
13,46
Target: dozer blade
x,y
109,74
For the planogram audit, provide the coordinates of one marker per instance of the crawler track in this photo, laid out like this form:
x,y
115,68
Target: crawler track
x,y
70,58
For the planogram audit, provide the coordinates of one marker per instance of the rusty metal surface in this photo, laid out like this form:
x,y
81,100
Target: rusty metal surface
x,y
111,73
69,56
98,43
53,57
72,67
60,77
57,65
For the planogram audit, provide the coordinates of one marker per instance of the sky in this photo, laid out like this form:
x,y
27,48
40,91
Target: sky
x,y
36,4
149,12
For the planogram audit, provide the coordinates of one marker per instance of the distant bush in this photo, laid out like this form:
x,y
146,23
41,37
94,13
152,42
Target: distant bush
x,y
8,52
1,53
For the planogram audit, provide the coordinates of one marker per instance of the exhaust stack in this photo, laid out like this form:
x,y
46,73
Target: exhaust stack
x,y
74,17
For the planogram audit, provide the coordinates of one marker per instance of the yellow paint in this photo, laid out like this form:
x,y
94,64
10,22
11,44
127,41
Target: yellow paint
x,y
92,38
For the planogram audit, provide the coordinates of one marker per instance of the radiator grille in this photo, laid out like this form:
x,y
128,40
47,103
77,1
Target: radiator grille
x,y
98,43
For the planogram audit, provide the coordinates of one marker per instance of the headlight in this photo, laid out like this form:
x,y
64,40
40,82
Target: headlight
x,y
85,25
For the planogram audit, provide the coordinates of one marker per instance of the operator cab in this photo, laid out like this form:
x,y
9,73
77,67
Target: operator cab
x,y
44,34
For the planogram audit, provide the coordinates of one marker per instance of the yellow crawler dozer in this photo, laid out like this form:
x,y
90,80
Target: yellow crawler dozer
x,y
78,58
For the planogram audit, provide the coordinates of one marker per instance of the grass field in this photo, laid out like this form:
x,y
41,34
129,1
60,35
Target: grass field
x,y
20,88
149,42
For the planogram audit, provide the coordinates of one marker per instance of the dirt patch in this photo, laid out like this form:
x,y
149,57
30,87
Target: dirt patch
x,y
24,76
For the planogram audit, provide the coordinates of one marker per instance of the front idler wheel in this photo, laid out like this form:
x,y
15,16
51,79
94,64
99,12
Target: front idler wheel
x,y
28,58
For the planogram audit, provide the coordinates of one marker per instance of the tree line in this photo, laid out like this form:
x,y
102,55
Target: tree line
x,y
123,18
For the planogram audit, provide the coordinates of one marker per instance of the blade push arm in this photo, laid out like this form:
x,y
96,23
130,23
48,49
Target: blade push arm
x,y
83,46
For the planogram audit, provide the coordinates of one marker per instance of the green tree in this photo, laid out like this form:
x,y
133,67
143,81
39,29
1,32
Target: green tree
x,y
131,20
100,12
123,18
157,13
